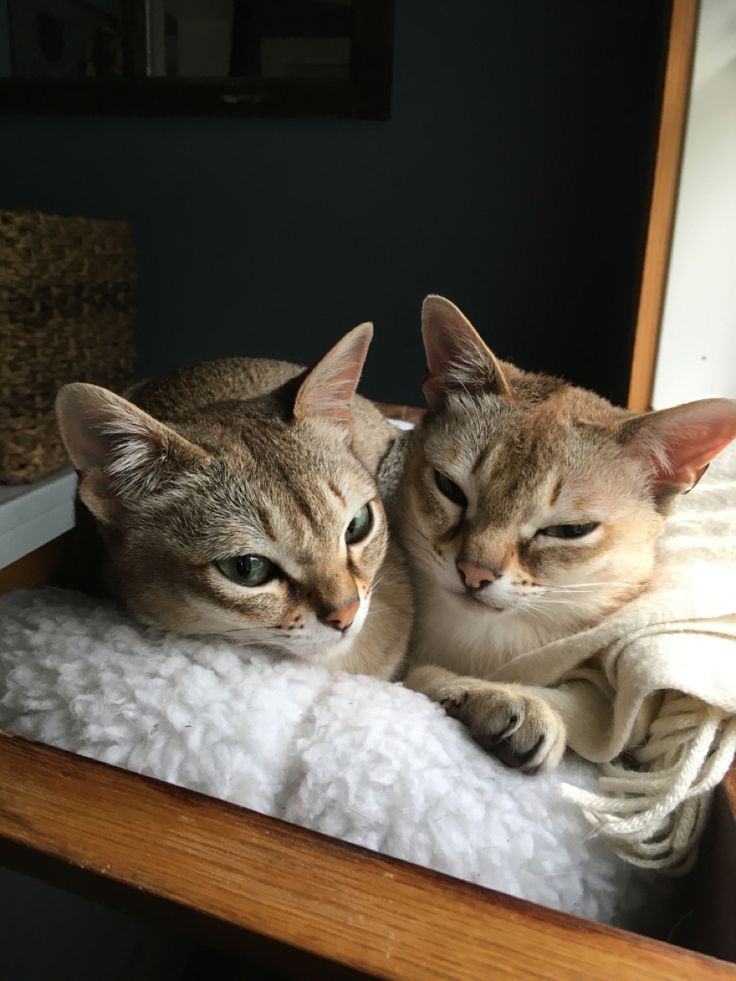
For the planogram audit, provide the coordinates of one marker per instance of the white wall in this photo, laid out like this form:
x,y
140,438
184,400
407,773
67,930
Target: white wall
x,y
697,355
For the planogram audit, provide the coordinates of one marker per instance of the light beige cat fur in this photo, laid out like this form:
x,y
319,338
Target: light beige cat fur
x,y
529,458
250,458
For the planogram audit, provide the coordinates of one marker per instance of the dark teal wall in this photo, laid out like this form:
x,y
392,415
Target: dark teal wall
x,y
513,176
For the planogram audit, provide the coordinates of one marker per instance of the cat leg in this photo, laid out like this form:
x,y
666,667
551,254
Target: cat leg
x,y
510,721
586,711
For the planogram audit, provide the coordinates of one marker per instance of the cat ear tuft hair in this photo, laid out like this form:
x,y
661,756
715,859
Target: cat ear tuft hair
x,y
458,359
329,387
120,452
677,445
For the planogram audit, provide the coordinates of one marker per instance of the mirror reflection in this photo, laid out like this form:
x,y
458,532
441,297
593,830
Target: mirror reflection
x,y
186,39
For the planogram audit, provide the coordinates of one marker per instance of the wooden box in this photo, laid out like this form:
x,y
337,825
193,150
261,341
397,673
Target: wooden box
x,y
302,904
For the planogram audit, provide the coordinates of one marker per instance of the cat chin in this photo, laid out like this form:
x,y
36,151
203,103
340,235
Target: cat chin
x,y
325,654
481,604
472,602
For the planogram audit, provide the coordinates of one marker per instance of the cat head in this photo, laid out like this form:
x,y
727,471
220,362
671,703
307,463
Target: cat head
x,y
527,497
248,519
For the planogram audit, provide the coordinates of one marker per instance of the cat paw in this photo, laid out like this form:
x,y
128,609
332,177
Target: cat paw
x,y
519,729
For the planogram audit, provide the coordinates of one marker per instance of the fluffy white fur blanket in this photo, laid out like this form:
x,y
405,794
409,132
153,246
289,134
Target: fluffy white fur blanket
x,y
360,759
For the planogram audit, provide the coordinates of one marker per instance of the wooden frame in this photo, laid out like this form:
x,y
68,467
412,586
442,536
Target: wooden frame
x,y
307,905
298,901
675,99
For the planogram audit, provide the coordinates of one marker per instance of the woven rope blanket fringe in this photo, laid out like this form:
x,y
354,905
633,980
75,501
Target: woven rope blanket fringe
x,y
653,816
661,725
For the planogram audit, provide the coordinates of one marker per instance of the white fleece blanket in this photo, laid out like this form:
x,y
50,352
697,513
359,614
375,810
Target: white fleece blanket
x,y
360,759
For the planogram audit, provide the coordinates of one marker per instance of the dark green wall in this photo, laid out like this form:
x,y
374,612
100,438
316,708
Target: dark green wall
x,y
513,176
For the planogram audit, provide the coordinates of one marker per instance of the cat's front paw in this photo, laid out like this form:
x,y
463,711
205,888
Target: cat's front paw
x,y
519,729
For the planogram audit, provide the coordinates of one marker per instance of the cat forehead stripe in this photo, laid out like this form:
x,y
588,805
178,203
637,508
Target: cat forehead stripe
x,y
486,456
556,490
335,490
303,502
266,523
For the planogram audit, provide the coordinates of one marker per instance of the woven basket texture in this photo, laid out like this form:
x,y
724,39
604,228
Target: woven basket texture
x,y
66,314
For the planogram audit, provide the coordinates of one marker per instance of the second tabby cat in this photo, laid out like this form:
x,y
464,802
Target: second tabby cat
x,y
530,510
237,499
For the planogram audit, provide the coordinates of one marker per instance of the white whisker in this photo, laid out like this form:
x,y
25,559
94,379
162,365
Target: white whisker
x,y
589,585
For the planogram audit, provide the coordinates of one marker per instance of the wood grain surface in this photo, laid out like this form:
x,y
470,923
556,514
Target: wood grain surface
x,y
36,568
227,872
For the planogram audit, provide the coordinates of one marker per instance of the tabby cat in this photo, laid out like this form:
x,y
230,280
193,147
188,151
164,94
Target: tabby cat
x,y
237,499
530,510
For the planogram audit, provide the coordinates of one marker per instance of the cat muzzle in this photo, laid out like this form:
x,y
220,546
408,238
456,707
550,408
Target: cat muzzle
x,y
340,618
475,577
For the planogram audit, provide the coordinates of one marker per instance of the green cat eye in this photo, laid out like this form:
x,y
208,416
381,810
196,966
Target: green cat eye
x,y
247,570
569,531
450,489
359,526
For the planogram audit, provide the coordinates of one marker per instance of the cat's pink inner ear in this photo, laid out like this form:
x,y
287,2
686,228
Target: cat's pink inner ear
x,y
90,418
86,416
114,444
328,389
458,359
677,445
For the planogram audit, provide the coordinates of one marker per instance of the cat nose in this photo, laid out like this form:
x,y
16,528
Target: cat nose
x,y
477,576
342,617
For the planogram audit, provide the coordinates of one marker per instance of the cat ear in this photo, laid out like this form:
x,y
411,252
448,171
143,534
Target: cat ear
x,y
329,387
676,445
458,359
119,451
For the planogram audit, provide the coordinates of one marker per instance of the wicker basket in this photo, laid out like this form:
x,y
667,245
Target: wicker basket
x,y
66,287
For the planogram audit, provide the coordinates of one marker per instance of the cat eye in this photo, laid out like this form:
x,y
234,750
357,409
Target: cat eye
x,y
359,526
569,531
247,570
450,489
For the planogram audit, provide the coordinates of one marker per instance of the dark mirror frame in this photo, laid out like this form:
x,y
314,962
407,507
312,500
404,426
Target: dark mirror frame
x,y
366,94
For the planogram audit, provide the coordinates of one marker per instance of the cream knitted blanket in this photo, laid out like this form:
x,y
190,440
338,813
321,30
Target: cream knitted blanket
x,y
659,715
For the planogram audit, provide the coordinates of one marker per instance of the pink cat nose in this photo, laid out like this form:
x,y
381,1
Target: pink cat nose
x,y
477,576
342,617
